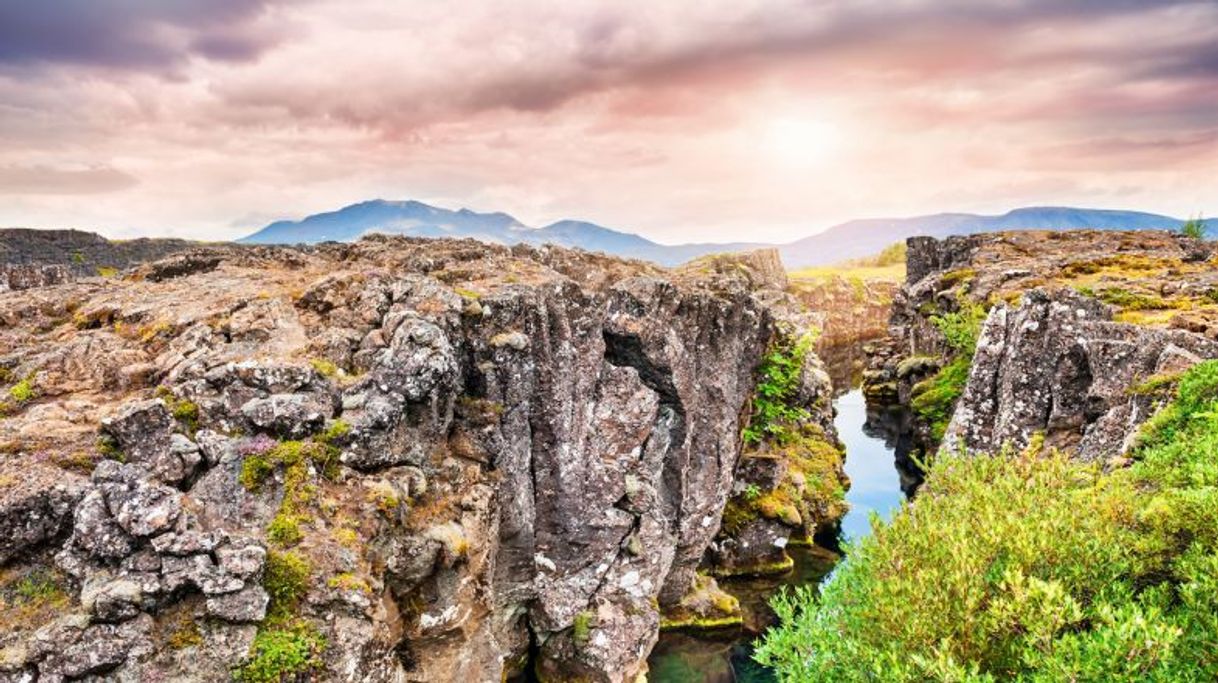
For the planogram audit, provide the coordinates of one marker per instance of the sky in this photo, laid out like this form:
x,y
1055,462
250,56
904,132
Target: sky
x,y
709,120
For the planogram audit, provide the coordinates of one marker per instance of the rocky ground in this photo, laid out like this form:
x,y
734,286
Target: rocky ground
x,y
398,460
1055,337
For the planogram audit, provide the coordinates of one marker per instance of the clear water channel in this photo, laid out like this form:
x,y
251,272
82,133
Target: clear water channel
x,y
725,656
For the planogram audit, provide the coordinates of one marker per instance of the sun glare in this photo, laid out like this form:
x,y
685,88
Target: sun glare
x,y
802,141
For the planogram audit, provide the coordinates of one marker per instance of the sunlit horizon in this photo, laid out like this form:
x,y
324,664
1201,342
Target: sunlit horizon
x,y
724,121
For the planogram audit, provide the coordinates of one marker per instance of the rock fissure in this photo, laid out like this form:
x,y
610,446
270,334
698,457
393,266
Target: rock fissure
x,y
426,460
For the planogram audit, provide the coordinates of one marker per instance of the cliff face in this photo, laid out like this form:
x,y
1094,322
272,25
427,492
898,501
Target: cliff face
x,y
849,312
1076,336
390,460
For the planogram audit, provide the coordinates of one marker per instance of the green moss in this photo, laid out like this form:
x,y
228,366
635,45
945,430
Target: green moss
x,y
324,367
287,653
761,569
30,600
284,529
694,623
23,391
185,634
294,456
286,581
385,499
333,433
183,410
960,276
107,271
108,448
1134,301
1158,386
349,582
815,461
581,628
254,470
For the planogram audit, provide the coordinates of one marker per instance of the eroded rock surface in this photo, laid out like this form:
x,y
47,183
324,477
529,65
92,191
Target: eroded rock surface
x,y
1057,366
412,460
1077,322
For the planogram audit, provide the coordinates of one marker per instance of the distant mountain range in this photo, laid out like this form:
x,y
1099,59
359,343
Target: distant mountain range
x,y
848,240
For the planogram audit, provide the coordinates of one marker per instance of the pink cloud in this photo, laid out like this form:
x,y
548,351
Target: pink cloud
x,y
657,117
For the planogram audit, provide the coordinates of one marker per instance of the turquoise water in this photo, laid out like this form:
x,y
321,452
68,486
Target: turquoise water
x,y
724,657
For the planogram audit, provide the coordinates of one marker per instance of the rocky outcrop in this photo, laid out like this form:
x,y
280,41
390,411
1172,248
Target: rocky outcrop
x,y
17,277
1076,322
849,312
397,459
1056,366
58,254
788,487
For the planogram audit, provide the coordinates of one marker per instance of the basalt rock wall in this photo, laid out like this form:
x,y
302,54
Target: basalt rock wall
x,y
397,459
1077,326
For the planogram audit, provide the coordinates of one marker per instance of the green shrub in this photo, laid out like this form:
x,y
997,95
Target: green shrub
x,y
774,409
1031,568
22,392
934,398
961,328
893,254
286,647
1194,227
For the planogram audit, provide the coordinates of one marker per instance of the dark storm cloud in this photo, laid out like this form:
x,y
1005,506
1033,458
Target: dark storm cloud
x,y
135,34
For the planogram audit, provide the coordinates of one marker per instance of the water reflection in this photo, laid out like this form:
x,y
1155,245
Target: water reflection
x,y
875,483
876,486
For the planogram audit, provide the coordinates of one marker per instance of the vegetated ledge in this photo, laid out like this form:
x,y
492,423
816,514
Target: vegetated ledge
x,y
1073,503
917,377
413,459
1074,570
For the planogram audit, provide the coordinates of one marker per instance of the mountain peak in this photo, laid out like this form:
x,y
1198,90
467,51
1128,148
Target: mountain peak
x,y
849,240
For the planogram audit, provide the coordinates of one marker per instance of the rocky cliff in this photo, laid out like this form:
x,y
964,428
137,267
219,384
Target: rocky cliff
x,y
37,258
390,460
850,312
1066,339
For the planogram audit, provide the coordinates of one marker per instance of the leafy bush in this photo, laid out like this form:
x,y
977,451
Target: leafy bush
x,y
961,328
775,411
893,254
1194,227
934,398
22,392
1031,567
